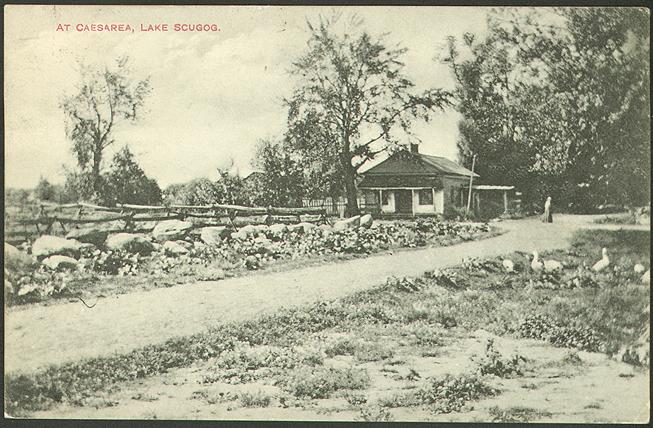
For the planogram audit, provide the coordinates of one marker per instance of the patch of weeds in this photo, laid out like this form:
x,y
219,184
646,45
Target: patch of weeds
x,y
256,399
493,363
593,406
405,284
426,334
374,414
409,399
626,375
572,358
341,346
531,386
245,363
321,382
366,352
355,399
362,351
144,397
543,327
450,393
516,414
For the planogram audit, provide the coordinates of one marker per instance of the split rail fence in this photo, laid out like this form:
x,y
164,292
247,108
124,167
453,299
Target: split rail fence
x,y
49,218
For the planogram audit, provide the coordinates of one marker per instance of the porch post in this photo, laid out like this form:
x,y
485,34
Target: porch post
x,y
435,210
412,201
505,201
380,200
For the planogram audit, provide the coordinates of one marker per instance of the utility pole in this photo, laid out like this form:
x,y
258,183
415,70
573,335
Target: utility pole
x,y
471,180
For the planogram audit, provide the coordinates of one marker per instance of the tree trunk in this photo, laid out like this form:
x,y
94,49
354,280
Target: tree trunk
x,y
97,183
350,189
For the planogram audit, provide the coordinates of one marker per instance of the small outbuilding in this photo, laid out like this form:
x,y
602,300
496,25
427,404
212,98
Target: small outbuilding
x,y
411,183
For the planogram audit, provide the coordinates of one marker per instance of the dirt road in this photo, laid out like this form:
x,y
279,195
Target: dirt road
x,y
43,335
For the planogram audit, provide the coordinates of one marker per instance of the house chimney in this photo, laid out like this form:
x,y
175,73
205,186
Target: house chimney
x,y
414,148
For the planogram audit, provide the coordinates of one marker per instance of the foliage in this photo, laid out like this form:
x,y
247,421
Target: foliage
x,y
128,183
227,189
17,197
450,393
516,414
281,182
257,399
321,382
545,328
557,102
104,98
45,191
493,363
350,86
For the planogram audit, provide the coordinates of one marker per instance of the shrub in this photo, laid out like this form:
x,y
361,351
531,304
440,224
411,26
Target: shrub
x,y
257,399
450,393
492,362
321,382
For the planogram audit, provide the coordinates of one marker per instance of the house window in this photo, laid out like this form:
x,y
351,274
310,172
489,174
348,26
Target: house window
x,y
384,197
426,197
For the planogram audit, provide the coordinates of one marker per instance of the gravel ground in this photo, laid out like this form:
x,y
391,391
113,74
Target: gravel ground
x,y
42,335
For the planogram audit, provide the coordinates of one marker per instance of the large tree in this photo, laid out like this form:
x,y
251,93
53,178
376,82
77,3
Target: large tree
x,y
557,103
103,99
352,89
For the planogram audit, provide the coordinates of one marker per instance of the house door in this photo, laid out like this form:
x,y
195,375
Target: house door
x,y
403,201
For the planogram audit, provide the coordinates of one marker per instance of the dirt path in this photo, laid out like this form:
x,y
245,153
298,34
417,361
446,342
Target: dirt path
x,y
39,336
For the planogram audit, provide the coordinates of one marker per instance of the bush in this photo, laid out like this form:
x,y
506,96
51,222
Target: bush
x,y
257,399
493,363
450,393
321,382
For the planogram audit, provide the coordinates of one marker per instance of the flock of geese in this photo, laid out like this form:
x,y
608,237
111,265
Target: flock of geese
x,y
538,265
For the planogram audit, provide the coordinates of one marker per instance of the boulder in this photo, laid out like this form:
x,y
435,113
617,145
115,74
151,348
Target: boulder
x,y
130,242
326,230
48,245
213,235
366,221
278,229
348,223
261,228
295,228
306,226
249,230
171,230
89,235
262,240
60,263
172,248
16,260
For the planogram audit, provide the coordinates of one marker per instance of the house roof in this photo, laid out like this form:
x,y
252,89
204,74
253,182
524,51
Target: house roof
x,y
407,163
385,181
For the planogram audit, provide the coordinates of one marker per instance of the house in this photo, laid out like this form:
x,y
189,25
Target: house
x,y
411,183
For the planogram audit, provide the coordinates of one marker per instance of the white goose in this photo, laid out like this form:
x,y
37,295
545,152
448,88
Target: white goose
x,y
639,268
646,278
603,263
508,265
552,265
536,264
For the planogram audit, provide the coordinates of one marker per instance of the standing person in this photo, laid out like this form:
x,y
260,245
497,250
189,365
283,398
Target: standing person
x,y
547,217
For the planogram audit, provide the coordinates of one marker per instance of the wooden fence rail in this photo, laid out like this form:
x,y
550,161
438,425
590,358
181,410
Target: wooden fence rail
x,y
47,214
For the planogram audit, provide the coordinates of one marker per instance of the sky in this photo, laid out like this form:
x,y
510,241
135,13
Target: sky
x,y
214,94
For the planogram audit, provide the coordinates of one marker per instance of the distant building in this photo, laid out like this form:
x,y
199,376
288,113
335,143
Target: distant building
x,y
411,183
